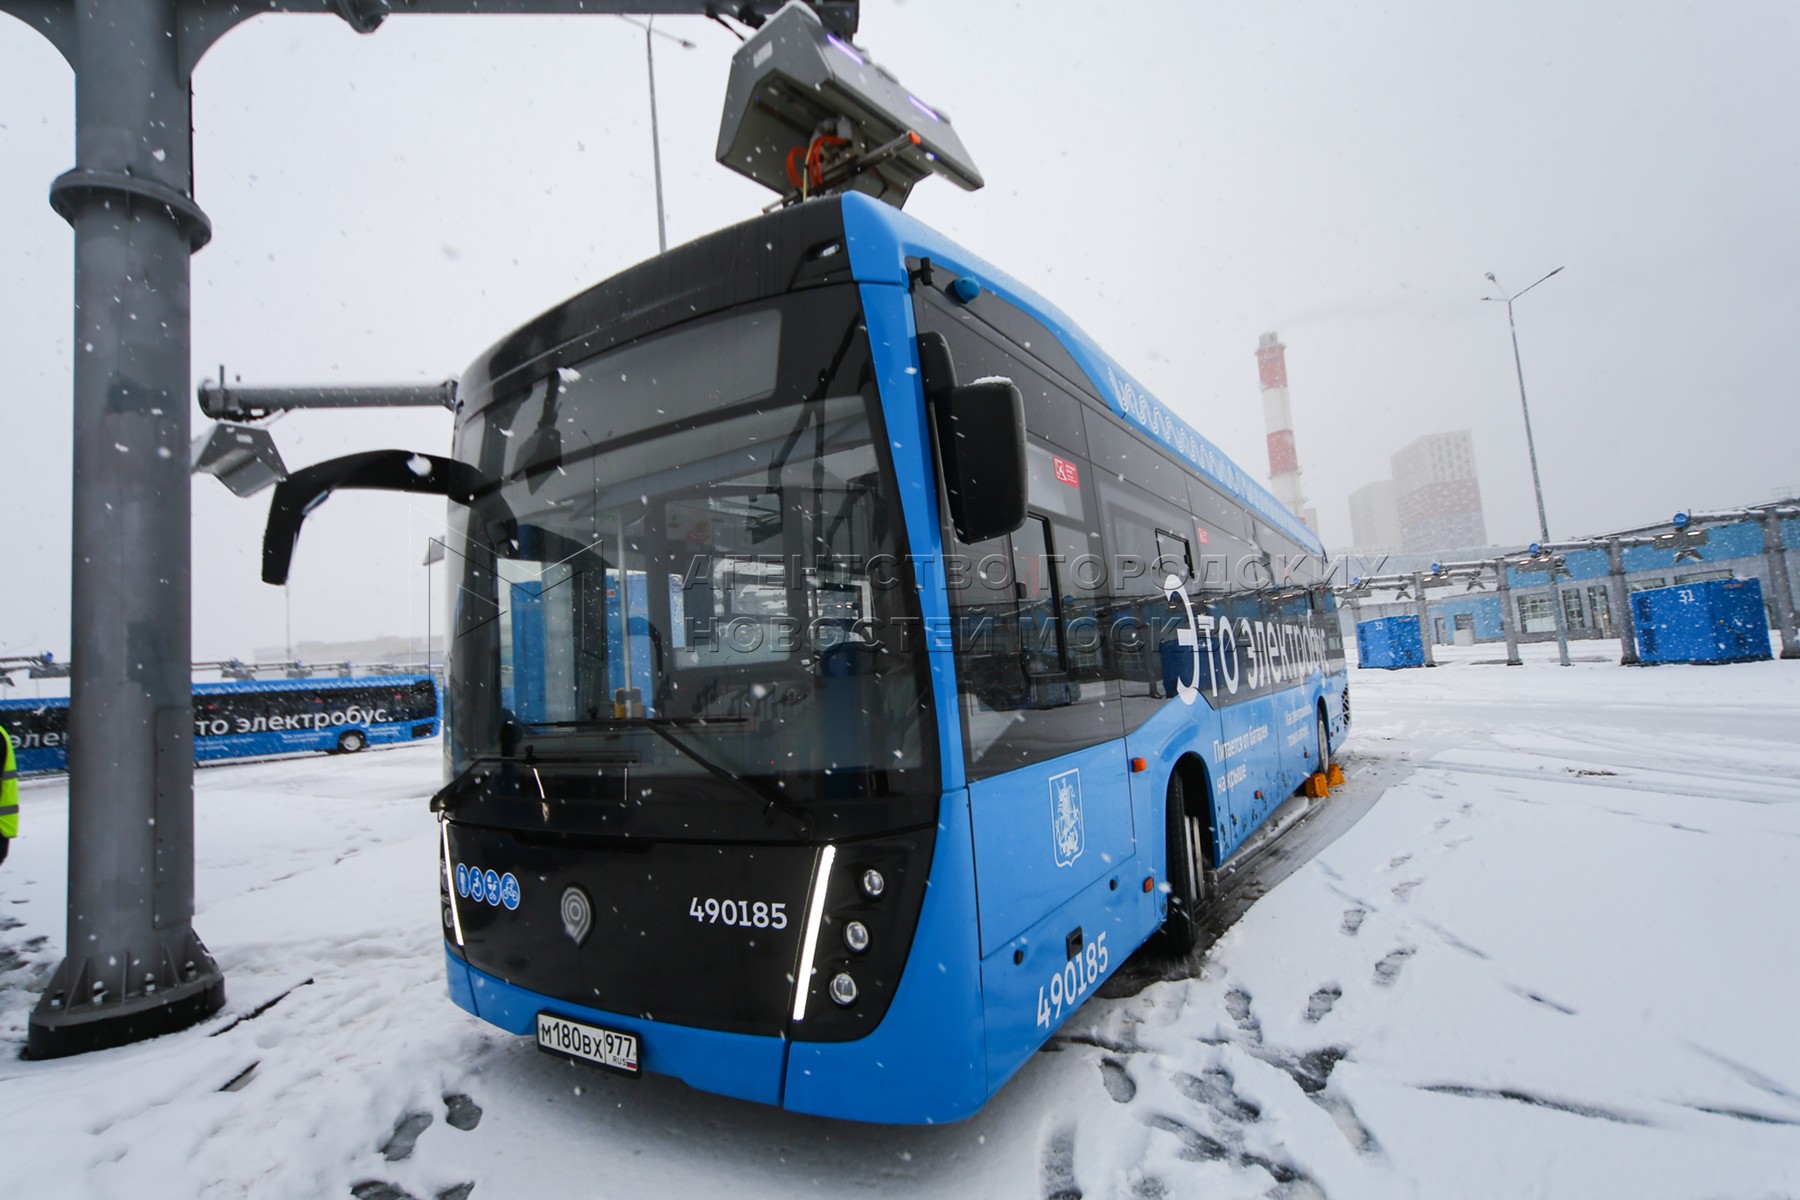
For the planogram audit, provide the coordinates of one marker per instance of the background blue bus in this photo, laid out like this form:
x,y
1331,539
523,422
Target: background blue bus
x,y
254,718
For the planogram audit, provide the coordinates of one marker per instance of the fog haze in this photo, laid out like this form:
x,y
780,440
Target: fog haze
x,y
1176,177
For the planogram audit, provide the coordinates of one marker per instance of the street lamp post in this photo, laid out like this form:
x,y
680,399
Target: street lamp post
x,y
650,33
1537,485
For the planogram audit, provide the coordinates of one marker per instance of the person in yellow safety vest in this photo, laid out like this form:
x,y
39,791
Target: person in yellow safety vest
x,y
9,797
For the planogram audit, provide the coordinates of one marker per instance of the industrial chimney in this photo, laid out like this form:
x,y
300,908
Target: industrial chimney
x,y
1278,419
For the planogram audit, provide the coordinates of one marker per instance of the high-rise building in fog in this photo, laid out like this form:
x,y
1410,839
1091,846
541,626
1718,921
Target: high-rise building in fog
x,y
1373,521
1437,497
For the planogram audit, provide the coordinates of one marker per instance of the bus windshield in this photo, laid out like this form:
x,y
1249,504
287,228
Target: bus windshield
x,y
690,575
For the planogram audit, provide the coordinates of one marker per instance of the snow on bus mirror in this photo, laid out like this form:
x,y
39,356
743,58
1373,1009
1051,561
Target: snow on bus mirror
x,y
981,439
374,470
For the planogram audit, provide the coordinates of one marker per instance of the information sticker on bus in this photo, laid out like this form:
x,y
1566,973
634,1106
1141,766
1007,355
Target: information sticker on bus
x,y
615,1051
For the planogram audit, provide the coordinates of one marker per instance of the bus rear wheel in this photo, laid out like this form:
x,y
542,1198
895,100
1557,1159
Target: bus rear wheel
x,y
350,741
1324,743
1187,871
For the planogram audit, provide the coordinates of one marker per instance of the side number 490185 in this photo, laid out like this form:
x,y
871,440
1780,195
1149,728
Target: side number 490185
x,y
1068,985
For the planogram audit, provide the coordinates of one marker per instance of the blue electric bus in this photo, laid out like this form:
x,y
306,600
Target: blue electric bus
x,y
852,665
255,718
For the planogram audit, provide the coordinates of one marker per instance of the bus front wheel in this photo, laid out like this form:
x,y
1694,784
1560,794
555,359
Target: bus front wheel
x,y
350,741
1187,871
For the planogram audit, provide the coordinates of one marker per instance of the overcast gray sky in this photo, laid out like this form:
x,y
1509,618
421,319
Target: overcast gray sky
x,y
1178,177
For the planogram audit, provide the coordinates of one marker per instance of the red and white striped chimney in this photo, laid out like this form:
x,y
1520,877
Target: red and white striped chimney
x,y
1278,419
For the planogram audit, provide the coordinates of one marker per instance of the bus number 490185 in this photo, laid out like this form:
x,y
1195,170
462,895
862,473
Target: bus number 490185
x,y
763,914
1072,982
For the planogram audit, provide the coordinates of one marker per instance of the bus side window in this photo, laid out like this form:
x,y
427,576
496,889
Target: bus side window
x,y
1214,510
1141,555
1289,564
1051,411
1173,556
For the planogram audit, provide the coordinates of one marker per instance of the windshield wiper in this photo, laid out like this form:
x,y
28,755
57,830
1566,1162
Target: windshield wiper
x,y
771,797
663,728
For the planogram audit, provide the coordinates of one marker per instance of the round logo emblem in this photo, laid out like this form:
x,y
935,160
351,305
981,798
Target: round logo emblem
x,y
577,914
492,879
509,891
462,880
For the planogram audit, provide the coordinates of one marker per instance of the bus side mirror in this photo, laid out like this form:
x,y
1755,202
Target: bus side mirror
x,y
981,439
374,470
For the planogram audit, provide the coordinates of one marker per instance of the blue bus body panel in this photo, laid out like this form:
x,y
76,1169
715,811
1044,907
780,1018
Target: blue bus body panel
x,y
1263,745
253,745
731,1064
926,1061
1258,764
462,988
1025,1000
1046,831
888,312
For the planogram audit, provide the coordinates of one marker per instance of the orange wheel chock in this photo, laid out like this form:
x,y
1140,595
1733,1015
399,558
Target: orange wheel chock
x,y
1335,776
1315,785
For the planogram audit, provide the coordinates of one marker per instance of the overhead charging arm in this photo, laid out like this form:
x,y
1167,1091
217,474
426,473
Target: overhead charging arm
x,y
374,470
223,403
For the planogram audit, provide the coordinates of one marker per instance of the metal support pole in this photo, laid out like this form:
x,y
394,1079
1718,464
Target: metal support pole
x,y
134,966
1780,587
1619,599
1508,626
1424,603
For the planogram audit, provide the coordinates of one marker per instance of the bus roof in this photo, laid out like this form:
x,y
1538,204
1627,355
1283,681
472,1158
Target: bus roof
x,y
881,238
769,254
238,687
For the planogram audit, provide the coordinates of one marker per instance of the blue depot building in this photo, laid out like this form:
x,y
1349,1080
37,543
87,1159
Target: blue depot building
x,y
1730,551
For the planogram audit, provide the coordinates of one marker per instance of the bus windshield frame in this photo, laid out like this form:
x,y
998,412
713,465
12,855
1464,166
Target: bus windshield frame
x,y
690,582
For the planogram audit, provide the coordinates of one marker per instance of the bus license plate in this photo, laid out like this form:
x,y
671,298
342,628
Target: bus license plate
x,y
617,1051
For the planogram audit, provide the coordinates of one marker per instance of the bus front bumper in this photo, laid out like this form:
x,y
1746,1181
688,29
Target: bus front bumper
x,y
731,1064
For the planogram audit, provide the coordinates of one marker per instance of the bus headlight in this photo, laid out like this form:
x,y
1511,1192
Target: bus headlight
x,y
856,937
873,884
843,989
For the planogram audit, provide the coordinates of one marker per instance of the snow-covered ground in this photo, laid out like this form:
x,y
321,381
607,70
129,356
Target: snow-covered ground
x,y
1556,958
